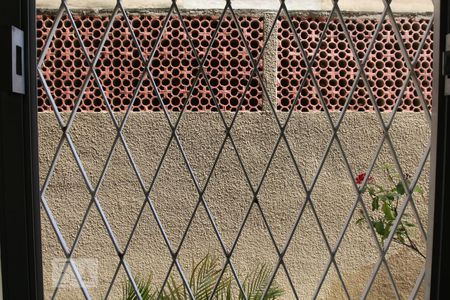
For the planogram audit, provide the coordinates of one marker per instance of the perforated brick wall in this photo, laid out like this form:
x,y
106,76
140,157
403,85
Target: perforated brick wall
x,y
174,65
335,66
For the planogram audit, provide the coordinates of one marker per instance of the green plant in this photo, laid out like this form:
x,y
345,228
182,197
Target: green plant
x,y
385,200
202,282
145,289
255,283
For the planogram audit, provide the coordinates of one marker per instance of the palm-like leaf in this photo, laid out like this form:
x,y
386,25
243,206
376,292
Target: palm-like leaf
x,y
203,280
204,277
174,290
145,288
256,282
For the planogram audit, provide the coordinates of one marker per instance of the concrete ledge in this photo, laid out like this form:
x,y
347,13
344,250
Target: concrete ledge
x,y
347,5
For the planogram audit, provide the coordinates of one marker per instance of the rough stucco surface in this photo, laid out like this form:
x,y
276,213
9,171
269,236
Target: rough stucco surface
x,y
228,197
349,5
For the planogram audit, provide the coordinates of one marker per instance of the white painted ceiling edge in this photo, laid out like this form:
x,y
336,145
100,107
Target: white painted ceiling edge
x,y
398,6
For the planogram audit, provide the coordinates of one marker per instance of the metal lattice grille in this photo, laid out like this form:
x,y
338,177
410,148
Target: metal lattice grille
x,y
306,183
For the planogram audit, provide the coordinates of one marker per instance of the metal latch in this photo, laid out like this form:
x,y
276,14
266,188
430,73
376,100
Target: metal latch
x,y
446,66
12,79
17,61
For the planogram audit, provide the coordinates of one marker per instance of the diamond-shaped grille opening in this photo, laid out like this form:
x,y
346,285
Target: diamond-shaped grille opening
x,y
150,212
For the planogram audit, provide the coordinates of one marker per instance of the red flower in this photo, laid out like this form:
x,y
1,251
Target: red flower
x,y
361,176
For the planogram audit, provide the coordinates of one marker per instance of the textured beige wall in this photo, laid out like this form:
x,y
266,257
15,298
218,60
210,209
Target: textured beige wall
x,y
350,5
228,197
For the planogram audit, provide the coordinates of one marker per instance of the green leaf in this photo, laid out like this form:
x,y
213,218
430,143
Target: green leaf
x,y
400,237
400,188
387,230
144,288
255,284
379,227
408,224
360,220
202,281
204,276
380,188
419,190
391,196
388,213
375,203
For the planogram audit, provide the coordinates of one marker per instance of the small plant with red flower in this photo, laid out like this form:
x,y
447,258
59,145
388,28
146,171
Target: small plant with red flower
x,y
385,200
